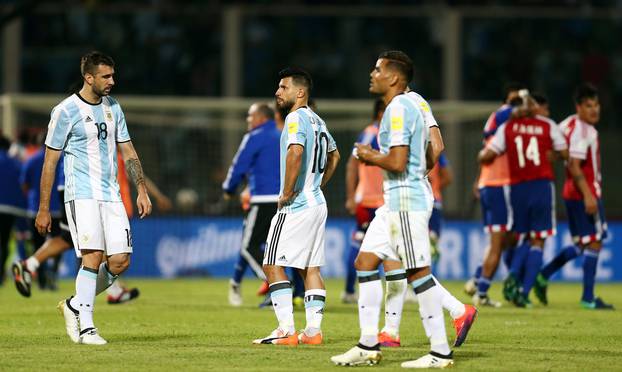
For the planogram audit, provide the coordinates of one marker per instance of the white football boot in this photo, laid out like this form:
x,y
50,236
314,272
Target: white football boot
x,y
72,319
432,360
90,337
485,302
357,356
235,294
469,287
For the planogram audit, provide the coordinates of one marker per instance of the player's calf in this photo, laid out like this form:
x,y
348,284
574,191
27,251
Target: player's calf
x,y
118,263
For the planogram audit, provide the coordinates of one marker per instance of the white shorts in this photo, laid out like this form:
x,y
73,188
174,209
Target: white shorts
x,y
399,236
99,225
297,239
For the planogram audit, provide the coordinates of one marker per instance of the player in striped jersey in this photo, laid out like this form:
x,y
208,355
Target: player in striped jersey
x,y
88,126
492,189
399,231
528,141
582,196
308,160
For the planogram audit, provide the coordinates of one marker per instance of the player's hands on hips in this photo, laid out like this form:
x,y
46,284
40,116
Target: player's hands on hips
x,y
591,206
144,204
363,152
43,222
286,199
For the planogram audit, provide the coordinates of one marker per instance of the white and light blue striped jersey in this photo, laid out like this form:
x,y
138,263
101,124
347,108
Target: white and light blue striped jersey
x,y
304,127
88,135
403,124
424,107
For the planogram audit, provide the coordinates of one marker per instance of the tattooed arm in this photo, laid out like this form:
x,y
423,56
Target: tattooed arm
x,y
135,172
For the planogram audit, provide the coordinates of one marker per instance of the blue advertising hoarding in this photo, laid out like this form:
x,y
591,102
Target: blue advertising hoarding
x,y
174,247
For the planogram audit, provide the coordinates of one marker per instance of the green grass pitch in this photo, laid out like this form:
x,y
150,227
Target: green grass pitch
x,y
179,325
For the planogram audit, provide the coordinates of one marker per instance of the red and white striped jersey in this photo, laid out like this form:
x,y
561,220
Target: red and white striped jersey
x,y
583,144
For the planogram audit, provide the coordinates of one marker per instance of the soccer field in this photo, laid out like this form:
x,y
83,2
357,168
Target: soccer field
x,y
188,325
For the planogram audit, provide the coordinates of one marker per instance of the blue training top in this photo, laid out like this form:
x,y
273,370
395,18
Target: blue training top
x,y
12,199
257,160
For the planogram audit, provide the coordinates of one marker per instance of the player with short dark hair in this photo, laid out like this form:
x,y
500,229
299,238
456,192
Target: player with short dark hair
x,y
542,102
399,231
87,127
527,141
308,158
582,195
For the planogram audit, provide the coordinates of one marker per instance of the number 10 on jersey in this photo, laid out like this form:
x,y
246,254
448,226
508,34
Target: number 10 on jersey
x,y
319,152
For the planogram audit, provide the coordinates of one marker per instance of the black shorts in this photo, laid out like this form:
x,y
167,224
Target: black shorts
x,y
64,225
255,233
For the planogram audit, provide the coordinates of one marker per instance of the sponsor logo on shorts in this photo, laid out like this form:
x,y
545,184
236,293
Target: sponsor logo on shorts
x,y
88,119
85,238
283,259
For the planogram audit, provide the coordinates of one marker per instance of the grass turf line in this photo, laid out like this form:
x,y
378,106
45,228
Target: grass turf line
x,y
188,325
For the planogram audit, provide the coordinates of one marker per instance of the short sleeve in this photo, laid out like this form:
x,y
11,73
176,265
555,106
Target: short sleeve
x,y
579,143
398,126
559,142
496,119
332,145
58,129
497,143
295,130
122,133
428,116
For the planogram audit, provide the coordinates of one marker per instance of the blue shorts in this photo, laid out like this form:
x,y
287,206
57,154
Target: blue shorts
x,y
364,216
533,208
495,202
585,228
436,220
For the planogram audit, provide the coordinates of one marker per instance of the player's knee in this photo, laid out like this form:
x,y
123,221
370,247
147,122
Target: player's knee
x,y
268,270
361,263
118,263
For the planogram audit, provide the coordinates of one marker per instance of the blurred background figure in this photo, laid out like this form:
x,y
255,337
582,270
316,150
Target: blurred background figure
x,y
256,162
187,121
363,196
440,177
12,201
30,179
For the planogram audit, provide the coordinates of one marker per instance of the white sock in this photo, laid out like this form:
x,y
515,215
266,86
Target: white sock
x,y
370,300
32,264
315,301
431,311
104,279
450,303
396,286
84,300
281,295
